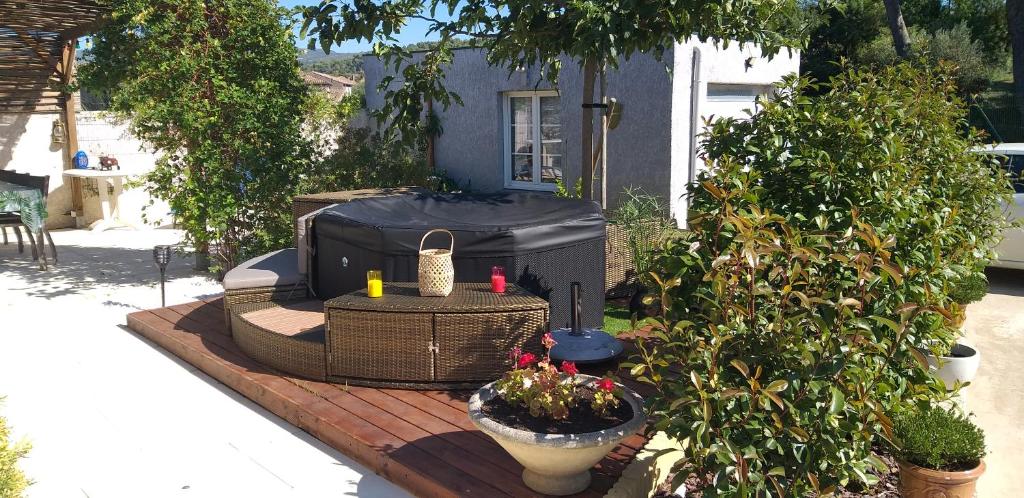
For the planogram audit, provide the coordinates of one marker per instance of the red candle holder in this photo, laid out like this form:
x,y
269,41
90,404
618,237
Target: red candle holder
x,y
498,280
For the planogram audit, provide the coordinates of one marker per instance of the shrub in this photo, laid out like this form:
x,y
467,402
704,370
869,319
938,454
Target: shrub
x,y
215,88
970,288
971,66
771,361
12,481
892,146
939,439
645,220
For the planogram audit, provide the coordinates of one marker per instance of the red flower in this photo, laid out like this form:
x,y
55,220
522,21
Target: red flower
x,y
526,359
548,341
606,385
569,368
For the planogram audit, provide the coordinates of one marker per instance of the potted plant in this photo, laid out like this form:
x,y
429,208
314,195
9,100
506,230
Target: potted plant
x,y
953,364
940,454
555,421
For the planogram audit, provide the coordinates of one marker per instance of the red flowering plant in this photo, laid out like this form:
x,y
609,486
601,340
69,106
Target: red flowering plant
x,y
550,391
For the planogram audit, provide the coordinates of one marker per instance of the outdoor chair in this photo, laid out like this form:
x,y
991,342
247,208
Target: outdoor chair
x,y
15,221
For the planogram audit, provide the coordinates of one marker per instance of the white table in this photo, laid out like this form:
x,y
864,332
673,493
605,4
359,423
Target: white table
x,y
108,203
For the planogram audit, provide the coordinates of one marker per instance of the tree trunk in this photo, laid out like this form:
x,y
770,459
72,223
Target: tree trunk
x,y
900,35
1015,20
587,131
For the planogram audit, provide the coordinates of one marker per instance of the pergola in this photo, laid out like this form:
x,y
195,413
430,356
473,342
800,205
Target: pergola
x,y
37,59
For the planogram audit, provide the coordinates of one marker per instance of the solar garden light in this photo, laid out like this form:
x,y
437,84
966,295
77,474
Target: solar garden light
x,y
162,256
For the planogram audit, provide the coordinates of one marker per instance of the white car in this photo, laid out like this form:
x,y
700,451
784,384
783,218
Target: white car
x,y
1011,250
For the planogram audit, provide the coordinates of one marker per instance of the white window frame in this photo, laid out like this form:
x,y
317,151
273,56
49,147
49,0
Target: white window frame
x,y
506,126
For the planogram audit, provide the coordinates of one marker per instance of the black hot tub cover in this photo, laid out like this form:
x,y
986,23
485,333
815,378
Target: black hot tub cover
x,y
507,229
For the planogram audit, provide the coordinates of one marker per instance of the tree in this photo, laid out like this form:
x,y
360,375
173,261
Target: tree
x,y
1015,21
523,33
214,87
900,35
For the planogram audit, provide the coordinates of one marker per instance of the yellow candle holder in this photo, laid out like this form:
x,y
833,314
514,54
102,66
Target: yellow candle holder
x,y
374,283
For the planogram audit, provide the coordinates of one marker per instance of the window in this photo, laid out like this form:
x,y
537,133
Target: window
x,y
1015,163
533,140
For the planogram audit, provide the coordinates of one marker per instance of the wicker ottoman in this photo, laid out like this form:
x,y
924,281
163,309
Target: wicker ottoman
x,y
408,341
285,336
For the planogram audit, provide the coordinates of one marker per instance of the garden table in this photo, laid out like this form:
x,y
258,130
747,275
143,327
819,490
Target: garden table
x,y
29,204
108,202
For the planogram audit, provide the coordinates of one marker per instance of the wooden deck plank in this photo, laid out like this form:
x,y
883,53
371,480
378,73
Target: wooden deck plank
x,y
421,440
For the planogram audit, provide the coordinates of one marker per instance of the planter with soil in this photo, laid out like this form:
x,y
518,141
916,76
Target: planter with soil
x,y
557,454
921,482
960,365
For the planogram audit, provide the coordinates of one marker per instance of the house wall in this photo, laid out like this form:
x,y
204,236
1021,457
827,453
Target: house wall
x,y
651,147
471,148
741,64
26,146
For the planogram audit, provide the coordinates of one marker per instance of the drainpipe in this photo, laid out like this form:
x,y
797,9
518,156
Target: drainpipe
x,y
694,117
430,135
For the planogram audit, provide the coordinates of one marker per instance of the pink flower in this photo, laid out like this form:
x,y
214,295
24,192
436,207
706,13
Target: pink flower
x,y
526,359
569,368
548,341
606,385
515,353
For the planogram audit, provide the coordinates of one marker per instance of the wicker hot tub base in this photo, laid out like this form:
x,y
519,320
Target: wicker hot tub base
x,y
402,340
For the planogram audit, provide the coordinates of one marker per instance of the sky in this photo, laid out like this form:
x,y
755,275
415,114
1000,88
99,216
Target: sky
x,y
414,32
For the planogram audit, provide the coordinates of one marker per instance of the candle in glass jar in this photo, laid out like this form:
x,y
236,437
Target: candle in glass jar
x,y
374,283
498,279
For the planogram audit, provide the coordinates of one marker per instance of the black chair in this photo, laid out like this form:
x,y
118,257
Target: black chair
x,y
14,220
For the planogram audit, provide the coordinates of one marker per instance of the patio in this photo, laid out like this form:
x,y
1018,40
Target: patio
x,y
107,445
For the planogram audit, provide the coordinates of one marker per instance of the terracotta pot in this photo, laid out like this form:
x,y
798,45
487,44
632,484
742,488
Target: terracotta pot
x,y
919,482
555,464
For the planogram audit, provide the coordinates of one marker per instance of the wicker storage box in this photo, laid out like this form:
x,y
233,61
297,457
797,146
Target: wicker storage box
x,y
409,341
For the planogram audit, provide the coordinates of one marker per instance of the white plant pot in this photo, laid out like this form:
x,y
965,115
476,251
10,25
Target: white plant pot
x,y
556,464
952,369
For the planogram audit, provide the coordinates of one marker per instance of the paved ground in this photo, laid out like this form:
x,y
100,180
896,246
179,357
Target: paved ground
x,y
111,415
995,326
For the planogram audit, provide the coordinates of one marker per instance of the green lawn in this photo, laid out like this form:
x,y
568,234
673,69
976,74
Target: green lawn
x,y
998,106
616,318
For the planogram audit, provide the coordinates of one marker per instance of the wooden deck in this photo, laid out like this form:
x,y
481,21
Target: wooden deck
x,y
422,441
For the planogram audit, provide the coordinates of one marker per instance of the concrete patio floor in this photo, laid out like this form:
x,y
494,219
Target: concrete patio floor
x,y
111,415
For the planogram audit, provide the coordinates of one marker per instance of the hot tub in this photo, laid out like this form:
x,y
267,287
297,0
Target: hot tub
x,y
544,243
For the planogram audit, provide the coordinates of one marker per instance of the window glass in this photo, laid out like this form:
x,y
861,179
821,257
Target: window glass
x,y
1016,167
522,138
534,138
551,140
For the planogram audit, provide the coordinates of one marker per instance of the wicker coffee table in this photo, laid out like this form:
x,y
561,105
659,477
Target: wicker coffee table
x,y
408,341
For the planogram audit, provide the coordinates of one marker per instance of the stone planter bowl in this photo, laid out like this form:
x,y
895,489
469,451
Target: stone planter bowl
x,y
556,464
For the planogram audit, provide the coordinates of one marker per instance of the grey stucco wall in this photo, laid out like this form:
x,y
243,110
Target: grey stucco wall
x,y
471,147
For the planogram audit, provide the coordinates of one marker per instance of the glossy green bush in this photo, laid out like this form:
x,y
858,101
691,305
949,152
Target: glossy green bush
x,y
939,439
894,146
772,361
